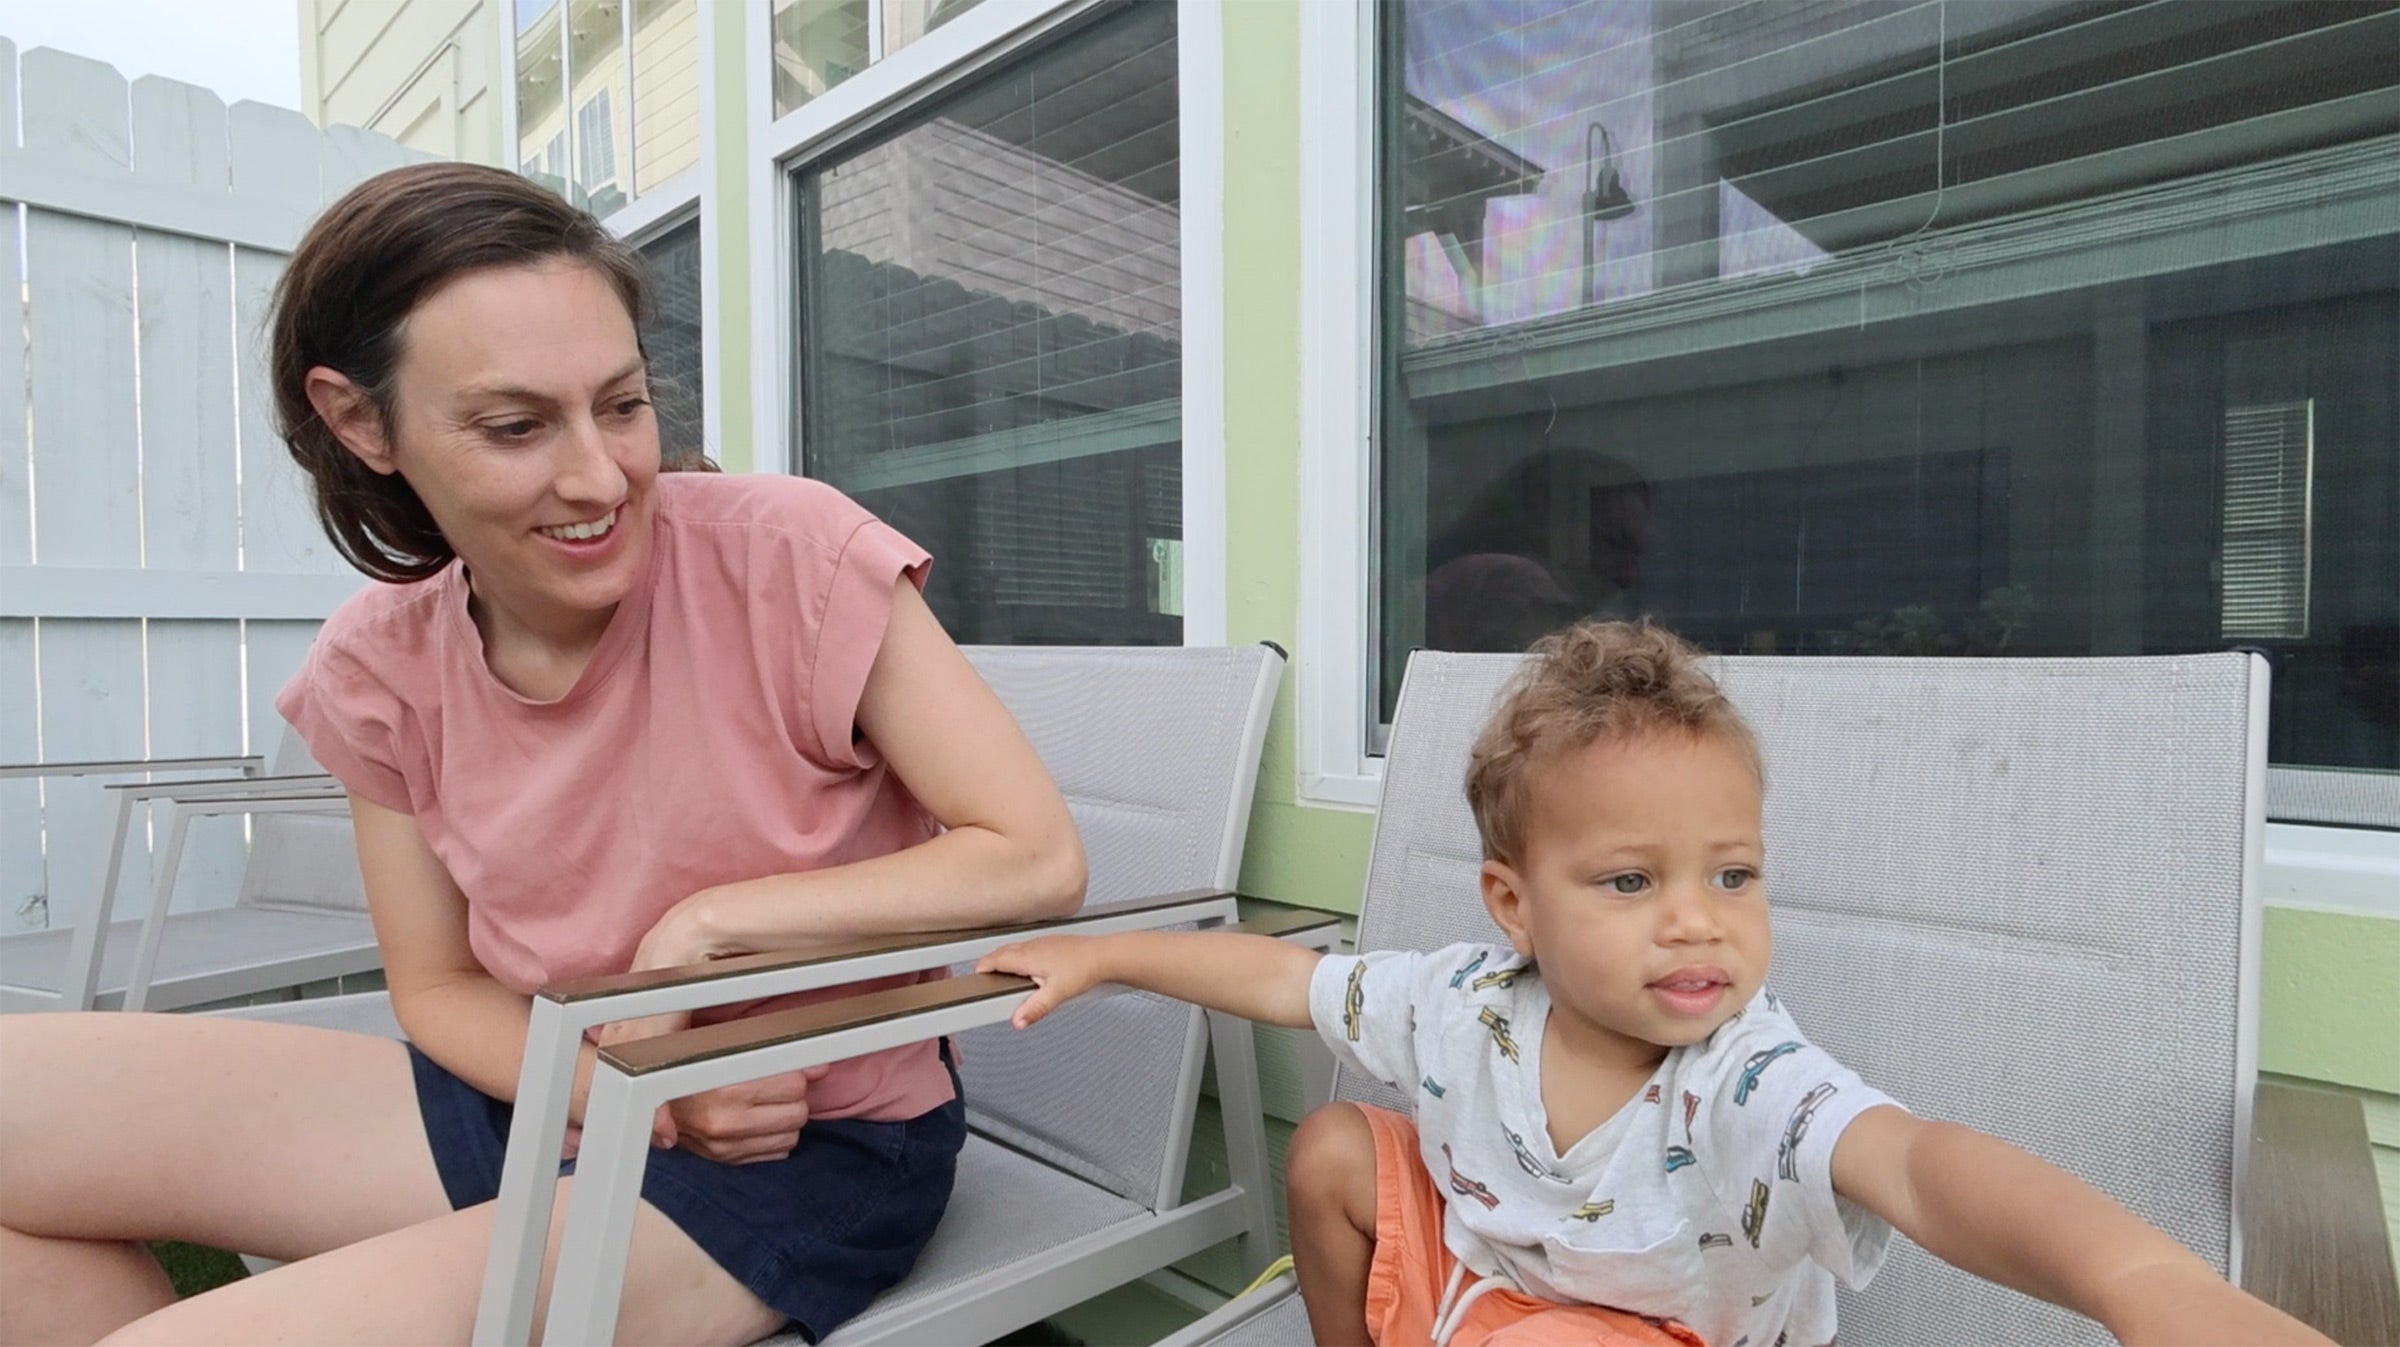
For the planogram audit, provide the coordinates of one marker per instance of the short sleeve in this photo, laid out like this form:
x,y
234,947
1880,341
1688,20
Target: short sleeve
x,y
1364,1009
871,559
1766,1139
349,724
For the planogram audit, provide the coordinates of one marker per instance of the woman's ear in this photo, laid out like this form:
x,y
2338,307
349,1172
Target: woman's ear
x,y
1504,897
350,414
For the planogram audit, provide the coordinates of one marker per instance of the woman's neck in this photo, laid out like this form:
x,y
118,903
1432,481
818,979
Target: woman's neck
x,y
534,653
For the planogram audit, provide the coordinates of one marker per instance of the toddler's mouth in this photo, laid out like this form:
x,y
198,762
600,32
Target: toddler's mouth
x,y
1692,991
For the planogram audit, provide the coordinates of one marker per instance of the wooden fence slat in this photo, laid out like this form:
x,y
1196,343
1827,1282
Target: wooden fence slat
x,y
21,888
91,677
16,483
190,517
276,156
186,291
80,283
75,106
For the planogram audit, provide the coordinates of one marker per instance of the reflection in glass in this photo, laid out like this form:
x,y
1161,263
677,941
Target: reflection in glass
x,y
2037,328
666,90
541,119
818,44
601,96
904,21
992,352
672,339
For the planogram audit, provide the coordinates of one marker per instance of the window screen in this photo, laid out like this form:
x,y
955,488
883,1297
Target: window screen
x,y
991,352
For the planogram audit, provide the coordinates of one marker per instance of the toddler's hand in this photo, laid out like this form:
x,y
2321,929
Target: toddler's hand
x,y
1062,967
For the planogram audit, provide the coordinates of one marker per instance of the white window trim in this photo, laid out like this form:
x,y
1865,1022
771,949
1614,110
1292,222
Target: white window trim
x,y
956,52
1337,400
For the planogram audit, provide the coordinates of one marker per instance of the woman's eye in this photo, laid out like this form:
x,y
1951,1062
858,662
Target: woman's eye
x,y
1626,883
511,430
628,407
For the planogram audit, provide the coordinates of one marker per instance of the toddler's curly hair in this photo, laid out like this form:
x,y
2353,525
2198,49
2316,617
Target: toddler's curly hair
x,y
1594,679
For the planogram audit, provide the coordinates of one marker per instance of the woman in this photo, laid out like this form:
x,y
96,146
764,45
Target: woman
x,y
599,719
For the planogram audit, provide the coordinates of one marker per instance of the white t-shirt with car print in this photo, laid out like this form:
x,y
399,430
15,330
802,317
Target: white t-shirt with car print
x,y
1707,1199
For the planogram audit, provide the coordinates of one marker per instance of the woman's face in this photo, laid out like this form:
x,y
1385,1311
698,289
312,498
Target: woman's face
x,y
522,419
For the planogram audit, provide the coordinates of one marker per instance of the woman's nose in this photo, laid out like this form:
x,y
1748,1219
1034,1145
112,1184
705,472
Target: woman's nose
x,y
587,469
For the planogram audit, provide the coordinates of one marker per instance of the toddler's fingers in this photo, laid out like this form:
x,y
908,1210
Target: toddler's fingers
x,y
662,1129
1040,1003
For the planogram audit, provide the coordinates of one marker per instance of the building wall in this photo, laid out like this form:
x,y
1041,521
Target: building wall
x,y
2331,980
427,73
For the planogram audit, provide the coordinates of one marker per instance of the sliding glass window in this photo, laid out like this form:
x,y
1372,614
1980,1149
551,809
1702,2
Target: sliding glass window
x,y
2041,327
990,352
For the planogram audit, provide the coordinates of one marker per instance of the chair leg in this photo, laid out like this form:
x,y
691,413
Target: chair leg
x,y
80,984
590,1282
528,1178
1238,1098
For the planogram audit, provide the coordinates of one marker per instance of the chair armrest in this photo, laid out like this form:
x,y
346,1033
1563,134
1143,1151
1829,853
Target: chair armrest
x,y
129,766
332,804
2314,1242
221,786
732,1037
911,952
1301,925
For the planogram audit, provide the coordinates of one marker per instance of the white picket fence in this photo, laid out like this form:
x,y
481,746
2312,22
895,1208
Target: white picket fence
x,y
161,572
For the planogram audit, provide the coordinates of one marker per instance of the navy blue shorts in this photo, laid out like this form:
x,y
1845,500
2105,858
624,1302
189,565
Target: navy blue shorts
x,y
816,1235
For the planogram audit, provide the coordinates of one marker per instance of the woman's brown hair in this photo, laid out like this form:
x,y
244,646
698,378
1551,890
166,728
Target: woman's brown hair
x,y
363,268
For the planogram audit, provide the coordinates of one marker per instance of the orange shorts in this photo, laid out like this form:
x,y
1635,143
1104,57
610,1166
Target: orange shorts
x,y
1412,1265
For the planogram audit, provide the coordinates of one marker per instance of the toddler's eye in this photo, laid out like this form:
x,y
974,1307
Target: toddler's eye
x,y
1627,884
1736,878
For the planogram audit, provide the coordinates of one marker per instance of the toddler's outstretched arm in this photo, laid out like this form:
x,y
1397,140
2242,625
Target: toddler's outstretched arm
x,y
1253,976
2000,1213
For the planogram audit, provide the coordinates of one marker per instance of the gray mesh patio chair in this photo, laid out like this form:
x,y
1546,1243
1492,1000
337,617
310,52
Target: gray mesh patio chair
x,y
2020,894
299,915
1075,1171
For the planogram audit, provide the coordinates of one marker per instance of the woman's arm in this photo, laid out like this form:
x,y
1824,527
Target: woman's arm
x,y
1993,1210
454,1011
1011,852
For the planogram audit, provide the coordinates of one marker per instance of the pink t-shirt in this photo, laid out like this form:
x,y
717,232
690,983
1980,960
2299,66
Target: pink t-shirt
x,y
710,739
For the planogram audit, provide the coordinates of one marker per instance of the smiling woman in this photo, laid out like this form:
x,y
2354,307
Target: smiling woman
x,y
597,719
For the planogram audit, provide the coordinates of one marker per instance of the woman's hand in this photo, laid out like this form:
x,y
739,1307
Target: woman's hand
x,y
1062,967
742,1124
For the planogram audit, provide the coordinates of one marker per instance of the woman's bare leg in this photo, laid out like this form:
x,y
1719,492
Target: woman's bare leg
x,y
267,1138
419,1286
274,1139
1329,1181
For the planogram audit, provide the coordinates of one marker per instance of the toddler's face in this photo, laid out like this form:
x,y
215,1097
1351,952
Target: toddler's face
x,y
1640,891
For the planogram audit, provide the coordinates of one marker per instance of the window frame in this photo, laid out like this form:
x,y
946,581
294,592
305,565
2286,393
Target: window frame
x,y
1338,767
903,82
691,193
2308,866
